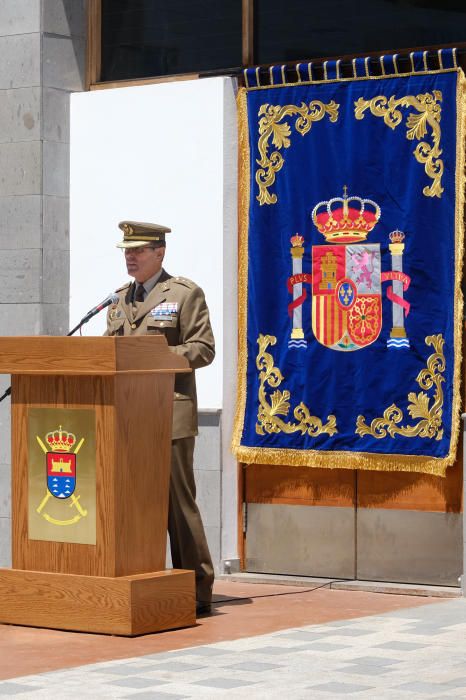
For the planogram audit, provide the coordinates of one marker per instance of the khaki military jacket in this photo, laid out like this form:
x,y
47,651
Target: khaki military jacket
x,y
176,308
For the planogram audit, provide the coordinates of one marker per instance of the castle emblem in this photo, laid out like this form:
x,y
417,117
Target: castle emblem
x,y
347,279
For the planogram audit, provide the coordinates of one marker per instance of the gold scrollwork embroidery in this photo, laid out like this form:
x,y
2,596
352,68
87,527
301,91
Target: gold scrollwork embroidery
x,y
269,126
277,404
429,424
429,112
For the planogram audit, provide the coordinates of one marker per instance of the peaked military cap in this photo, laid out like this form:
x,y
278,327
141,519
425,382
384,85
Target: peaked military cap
x,y
137,233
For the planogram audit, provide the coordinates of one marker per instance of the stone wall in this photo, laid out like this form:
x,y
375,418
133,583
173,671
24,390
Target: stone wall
x,y
42,60
207,472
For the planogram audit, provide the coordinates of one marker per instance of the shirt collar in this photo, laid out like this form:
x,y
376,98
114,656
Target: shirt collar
x,y
152,281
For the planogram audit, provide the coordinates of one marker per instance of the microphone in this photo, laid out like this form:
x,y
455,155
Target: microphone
x,y
111,299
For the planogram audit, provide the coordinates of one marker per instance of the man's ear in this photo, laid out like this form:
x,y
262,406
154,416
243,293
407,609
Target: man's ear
x,y
160,253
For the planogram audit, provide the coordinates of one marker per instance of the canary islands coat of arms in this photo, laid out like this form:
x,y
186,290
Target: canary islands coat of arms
x,y
61,451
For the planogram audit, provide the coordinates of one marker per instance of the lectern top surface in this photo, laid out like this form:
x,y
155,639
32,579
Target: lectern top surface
x,y
92,355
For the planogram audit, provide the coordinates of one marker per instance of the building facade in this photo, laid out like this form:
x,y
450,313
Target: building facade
x,y
96,158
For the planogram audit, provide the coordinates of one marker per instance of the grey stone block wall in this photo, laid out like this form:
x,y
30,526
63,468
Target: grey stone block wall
x,y
63,32
207,472
42,60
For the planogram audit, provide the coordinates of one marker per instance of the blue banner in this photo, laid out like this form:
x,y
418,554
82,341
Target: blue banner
x,y
351,243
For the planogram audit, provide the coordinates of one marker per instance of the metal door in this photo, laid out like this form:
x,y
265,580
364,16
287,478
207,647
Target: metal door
x,y
378,526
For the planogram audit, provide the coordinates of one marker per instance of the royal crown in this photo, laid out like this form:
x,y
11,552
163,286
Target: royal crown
x,y
297,240
396,236
60,440
346,219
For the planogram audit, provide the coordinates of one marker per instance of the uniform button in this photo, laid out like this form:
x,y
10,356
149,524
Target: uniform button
x,y
163,323
133,325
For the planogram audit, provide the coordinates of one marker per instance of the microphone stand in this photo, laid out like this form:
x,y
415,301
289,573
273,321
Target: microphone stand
x,y
76,328
84,320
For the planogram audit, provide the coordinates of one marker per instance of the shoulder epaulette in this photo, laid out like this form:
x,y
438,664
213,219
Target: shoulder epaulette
x,y
125,286
184,281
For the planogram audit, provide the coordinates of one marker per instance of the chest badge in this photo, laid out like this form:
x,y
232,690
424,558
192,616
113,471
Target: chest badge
x,y
114,313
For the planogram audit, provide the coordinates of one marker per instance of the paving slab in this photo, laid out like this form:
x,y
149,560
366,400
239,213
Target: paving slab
x,y
241,610
372,665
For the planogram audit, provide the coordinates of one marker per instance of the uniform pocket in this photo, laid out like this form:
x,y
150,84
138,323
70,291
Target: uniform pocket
x,y
184,416
155,325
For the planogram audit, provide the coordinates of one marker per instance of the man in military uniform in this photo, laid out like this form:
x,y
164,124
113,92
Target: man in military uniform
x,y
154,303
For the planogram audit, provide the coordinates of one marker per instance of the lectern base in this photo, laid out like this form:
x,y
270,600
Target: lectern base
x,y
127,605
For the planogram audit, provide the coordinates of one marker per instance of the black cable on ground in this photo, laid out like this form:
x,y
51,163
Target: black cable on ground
x,y
273,595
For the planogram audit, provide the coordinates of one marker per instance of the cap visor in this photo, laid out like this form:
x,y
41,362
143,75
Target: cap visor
x,y
133,244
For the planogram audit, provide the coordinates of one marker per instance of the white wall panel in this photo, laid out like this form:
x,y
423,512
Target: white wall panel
x,y
149,153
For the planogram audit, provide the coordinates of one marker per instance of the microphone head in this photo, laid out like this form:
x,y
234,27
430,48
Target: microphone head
x,y
113,298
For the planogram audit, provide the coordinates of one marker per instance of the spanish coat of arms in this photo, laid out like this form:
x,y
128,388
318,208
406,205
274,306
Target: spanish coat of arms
x,y
347,279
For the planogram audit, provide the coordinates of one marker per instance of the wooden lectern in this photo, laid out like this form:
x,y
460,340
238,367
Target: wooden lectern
x,y
89,506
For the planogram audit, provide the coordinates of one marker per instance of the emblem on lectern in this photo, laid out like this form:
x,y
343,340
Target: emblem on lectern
x,y
61,469
61,474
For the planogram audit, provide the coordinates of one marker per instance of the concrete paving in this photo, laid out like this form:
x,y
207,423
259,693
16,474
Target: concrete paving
x,y
418,652
415,589
412,652
240,610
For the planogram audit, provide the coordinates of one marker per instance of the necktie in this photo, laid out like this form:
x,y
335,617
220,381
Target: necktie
x,y
139,296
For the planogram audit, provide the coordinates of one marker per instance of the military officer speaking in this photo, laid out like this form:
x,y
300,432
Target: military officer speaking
x,y
156,302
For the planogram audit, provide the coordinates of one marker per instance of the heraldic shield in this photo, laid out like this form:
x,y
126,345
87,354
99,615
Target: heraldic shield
x,y
61,474
61,463
346,295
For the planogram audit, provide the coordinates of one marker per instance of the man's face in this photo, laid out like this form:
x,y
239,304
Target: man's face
x,y
143,262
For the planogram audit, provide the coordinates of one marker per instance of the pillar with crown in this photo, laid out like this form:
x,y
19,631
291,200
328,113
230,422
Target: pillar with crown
x,y
398,337
295,285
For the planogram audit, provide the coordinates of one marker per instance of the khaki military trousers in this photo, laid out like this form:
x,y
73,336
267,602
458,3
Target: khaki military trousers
x,y
188,542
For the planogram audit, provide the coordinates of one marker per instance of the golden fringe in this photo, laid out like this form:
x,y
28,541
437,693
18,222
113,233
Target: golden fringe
x,y
348,460
460,181
367,461
243,227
